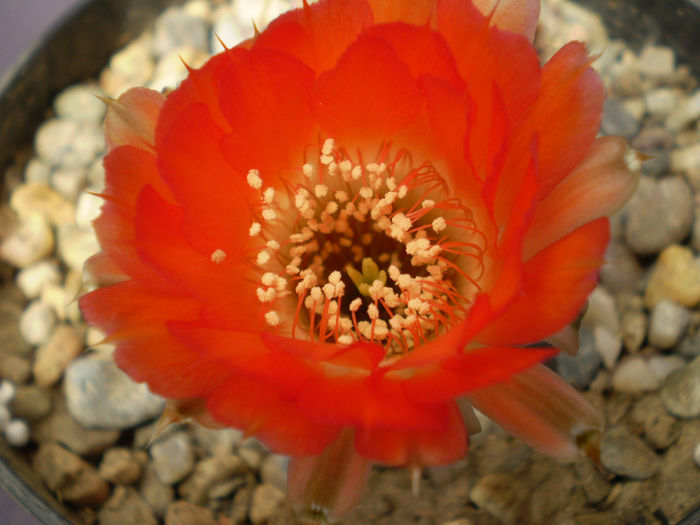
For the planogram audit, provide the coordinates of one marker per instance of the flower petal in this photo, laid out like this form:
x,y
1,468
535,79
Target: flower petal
x,y
131,119
517,16
353,114
596,188
330,484
416,448
318,33
263,412
416,12
265,97
556,283
542,410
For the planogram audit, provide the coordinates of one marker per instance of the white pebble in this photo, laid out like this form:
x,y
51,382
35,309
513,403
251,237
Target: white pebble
x,y
17,433
29,243
87,210
696,455
37,322
7,391
31,280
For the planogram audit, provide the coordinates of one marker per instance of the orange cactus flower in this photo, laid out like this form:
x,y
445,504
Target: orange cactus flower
x,y
342,234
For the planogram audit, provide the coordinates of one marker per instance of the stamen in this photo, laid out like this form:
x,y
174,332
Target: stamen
x,y
218,256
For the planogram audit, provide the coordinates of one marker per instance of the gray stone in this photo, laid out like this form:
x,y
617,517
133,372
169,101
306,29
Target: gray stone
x,y
608,344
681,391
650,418
661,102
173,457
500,495
657,61
80,103
689,347
186,513
52,357
601,311
274,471
175,28
595,487
667,324
207,473
29,242
99,395
679,476
65,473
37,322
627,455
685,113
120,466
621,272
126,507
217,442
158,495
267,500
665,365
251,452
659,214
617,120
31,402
633,374
634,329
62,428
580,370
653,139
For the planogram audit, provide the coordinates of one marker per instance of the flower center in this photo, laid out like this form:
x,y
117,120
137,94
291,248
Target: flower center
x,y
374,252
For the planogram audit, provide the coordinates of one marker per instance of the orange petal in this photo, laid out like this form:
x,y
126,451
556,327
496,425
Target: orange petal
x,y
517,16
555,286
353,114
325,487
265,97
318,33
416,448
261,411
542,410
568,113
103,270
417,12
131,119
596,188
473,369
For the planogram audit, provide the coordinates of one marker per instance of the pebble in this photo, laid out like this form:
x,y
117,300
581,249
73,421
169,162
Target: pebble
x,y
31,280
69,182
681,391
633,374
652,420
617,119
37,172
657,61
32,403
627,455
126,507
129,67
173,457
608,344
621,272
696,455
55,139
52,357
216,442
207,473
251,452
689,347
667,324
99,395
87,210
660,213
7,392
15,368
176,28
59,426
267,500
80,103
227,28
186,513
601,311
5,416
500,495
685,113
579,370
595,487
676,277
158,495
17,433
679,478
171,70
664,365
634,329
273,471
75,246
66,474
660,102
31,241
32,198
120,466
37,322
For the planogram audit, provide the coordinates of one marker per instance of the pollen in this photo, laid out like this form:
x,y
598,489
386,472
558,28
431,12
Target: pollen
x,y
357,250
218,256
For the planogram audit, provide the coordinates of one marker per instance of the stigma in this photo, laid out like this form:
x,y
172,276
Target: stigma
x,y
354,252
